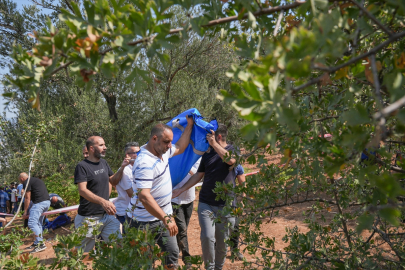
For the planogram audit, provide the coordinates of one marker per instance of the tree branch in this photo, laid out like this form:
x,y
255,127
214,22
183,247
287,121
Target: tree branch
x,y
390,109
387,239
351,61
322,119
377,22
258,13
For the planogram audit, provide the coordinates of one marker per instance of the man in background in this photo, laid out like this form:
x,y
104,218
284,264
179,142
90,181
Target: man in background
x,y
8,190
94,179
36,192
215,168
182,210
85,152
124,187
56,201
14,200
19,189
3,203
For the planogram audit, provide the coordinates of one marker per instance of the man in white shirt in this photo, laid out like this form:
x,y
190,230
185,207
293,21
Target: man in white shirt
x,y
150,206
183,209
14,199
124,187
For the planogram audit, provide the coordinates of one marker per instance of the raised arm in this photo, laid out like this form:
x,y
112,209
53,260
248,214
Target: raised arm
x,y
115,178
218,148
108,206
184,140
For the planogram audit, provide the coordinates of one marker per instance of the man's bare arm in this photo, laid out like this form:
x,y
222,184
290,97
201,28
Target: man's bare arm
x,y
190,183
108,206
222,152
27,202
154,209
116,177
130,192
241,179
184,140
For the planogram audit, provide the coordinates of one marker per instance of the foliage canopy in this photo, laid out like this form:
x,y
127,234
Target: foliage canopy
x,y
304,70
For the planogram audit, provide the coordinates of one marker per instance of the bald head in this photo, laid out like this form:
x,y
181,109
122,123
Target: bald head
x,y
22,177
158,130
96,147
91,141
54,200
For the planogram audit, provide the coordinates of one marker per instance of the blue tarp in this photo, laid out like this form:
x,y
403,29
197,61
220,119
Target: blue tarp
x,y
180,165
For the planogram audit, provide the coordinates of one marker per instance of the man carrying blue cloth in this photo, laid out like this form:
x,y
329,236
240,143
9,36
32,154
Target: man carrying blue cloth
x,y
151,207
214,168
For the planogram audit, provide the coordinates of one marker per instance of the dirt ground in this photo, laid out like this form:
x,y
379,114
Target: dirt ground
x,y
289,217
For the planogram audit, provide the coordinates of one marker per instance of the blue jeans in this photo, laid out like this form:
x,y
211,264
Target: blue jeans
x,y
2,210
36,218
15,207
213,235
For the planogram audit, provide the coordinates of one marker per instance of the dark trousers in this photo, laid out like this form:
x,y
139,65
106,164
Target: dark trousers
x,y
182,217
235,236
167,243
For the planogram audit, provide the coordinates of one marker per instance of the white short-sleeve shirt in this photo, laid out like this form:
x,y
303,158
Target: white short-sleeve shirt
x,y
121,203
151,172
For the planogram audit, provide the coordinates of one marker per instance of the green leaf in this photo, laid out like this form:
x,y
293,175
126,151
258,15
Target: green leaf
x,y
251,89
356,116
390,214
365,223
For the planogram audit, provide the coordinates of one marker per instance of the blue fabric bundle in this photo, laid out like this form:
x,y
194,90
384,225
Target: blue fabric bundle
x,y
180,165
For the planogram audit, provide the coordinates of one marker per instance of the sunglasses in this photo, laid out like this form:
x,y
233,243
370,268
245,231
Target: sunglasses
x,y
133,153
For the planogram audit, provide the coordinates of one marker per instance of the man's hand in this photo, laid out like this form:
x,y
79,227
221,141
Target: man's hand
x,y
211,138
171,227
109,207
25,216
125,162
176,193
190,120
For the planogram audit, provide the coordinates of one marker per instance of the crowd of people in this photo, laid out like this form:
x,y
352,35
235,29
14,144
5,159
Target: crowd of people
x,y
146,198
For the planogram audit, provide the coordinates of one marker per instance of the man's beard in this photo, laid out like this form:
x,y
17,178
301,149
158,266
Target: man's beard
x,y
98,154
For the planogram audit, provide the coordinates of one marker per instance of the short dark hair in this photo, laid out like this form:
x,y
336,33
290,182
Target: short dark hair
x,y
222,130
158,130
130,144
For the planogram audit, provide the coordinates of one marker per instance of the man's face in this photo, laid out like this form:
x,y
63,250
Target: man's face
x,y
85,152
132,152
163,143
99,148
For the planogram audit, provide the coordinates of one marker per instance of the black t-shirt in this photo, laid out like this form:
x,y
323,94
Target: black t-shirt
x,y
39,193
97,177
59,203
216,170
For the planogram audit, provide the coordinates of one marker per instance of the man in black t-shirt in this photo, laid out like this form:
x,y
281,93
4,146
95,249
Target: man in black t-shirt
x,y
36,192
94,179
213,168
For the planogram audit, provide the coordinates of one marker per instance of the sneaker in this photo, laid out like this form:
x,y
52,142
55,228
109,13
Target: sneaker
x,y
238,256
32,246
39,248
